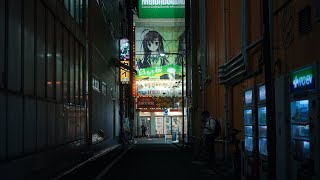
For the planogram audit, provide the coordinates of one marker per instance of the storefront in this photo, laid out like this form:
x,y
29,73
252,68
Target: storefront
x,y
162,125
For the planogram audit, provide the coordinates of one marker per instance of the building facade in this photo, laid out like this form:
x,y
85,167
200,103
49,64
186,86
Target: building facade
x,y
249,55
59,89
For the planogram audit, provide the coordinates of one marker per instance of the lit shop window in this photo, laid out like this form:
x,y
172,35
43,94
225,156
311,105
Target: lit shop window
x,y
104,88
95,84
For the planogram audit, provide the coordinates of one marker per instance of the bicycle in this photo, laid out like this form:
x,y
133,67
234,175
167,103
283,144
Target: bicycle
x,y
236,158
127,137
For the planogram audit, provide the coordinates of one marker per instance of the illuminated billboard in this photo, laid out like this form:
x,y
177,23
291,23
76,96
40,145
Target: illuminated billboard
x,y
161,8
124,49
124,73
165,88
159,52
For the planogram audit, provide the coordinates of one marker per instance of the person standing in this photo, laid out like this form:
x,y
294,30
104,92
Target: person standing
x,y
143,130
208,130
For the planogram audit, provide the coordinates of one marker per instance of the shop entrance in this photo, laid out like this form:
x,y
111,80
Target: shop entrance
x,y
147,122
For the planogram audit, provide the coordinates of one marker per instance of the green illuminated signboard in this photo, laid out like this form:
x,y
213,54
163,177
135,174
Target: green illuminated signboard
x,y
161,8
303,80
171,70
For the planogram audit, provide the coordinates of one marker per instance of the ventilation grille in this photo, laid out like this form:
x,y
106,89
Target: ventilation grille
x,y
305,25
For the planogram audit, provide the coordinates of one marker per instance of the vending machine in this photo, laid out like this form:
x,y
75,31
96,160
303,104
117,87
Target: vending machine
x,y
248,145
303,120
262,122
262,132
248,122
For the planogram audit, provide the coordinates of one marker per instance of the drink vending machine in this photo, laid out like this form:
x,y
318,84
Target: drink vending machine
x,y
248,123
304,122
262,122
247,154
262,131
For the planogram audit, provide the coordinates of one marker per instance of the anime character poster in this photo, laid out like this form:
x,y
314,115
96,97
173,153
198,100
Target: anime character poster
x,y
160,52
124,49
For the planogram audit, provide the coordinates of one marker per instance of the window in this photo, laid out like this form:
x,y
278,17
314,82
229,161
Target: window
x,y
305,24
50,56
59,62
104,88
76,73
2,44
65,66
77,8
72,67
95,84
81,76
40,72
67,5
29,41
317,9
72,7
81,13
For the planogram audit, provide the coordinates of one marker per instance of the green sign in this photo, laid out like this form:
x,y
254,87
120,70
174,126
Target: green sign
x,y
171,70
161,8
303,80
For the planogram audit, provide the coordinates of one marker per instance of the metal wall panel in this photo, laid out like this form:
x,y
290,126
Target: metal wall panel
x,y
51,124
42,125
15,126
3,126
30,125
59,124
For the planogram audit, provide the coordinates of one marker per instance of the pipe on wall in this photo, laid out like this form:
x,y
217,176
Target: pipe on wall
x,y
225,87
202,20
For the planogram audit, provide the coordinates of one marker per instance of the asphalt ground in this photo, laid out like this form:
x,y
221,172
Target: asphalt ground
x,y
150,159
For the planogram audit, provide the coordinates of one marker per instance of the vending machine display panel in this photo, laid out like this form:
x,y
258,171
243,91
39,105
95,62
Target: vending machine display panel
x,y
248,143
248,130
262,116
300,111
248,117
263,146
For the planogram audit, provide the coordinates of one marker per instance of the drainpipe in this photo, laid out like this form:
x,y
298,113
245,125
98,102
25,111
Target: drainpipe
x,y
271,132
225,86
244,31
202,32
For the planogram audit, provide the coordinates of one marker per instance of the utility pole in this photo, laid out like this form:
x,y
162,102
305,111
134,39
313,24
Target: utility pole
x,y
271,131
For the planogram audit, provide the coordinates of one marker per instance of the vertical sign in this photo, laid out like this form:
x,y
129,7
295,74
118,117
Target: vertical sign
x,y
124,59
125,73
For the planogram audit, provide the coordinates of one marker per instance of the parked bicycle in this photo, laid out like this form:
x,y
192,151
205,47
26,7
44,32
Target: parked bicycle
x,y
236,157
127,137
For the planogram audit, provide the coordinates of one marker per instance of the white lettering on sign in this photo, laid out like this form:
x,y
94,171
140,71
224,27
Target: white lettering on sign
x,y
162,2
302,81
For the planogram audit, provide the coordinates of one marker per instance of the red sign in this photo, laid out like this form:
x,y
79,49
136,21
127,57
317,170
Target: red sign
x,y
146,102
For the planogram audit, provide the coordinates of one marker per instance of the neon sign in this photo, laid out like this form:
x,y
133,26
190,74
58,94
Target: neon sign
x,y
302,80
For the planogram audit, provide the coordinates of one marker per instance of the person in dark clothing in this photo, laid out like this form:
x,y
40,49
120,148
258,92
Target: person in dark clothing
x,y
143,130
208,129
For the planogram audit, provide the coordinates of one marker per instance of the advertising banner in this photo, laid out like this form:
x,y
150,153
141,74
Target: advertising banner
x,y
124,73
163,88
303,80
145,102
124,49
161,8
159,102
159,52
